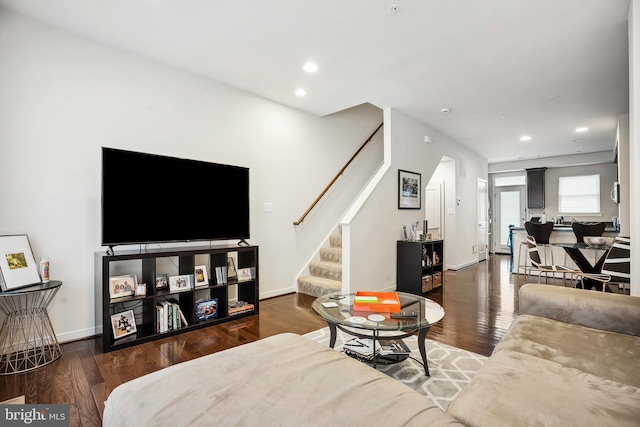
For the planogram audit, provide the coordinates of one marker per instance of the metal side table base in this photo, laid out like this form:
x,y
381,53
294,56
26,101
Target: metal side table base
x,y
27,339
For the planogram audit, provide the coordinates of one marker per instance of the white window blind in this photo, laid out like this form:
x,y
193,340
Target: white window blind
x,y
509,213
579,194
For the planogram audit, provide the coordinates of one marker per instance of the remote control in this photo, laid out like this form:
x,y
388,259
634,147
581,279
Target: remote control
x,y
403,315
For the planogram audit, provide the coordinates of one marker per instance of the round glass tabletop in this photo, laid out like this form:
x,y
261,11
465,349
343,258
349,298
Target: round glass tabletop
x,y
338,308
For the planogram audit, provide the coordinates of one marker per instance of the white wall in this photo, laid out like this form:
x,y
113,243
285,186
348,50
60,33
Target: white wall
x,y
63,97
377,227
634,128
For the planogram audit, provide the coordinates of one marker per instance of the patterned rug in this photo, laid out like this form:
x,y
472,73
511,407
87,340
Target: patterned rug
x,y
451,368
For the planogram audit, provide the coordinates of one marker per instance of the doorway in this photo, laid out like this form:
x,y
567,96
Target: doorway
x,y
483,214
509,202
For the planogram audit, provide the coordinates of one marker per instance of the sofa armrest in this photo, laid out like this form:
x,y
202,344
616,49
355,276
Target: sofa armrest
x,y
597,310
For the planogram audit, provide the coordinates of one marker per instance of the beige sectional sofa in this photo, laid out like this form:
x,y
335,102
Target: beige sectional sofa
x,y
571,358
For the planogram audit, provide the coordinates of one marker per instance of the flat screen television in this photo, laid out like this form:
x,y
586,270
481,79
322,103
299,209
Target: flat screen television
x,y
149,198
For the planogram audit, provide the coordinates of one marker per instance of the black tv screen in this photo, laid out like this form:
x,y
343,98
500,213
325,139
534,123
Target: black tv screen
x,y
148,198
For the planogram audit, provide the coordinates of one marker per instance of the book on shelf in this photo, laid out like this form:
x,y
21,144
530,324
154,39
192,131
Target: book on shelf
x,y
240,309
169,316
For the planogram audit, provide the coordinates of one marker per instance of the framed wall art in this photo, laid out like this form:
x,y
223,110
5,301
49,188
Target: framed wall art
x,y
18,267
409,190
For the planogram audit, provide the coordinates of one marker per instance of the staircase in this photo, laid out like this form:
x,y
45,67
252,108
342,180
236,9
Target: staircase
x,y
325,275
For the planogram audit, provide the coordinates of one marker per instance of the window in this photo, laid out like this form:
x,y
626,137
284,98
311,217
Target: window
x,y
579,194
507,181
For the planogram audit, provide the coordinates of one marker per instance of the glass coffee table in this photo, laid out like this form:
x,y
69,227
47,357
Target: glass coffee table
x,y
338,310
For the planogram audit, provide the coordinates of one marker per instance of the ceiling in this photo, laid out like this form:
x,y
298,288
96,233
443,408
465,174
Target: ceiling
x,y
504,68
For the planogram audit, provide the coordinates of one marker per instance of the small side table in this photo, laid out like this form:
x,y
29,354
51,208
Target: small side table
x,y
27,339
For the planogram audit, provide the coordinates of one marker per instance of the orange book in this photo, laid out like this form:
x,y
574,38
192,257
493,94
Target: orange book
x,y
380,302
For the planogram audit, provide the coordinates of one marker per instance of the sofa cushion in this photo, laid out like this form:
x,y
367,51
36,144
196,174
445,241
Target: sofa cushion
x,y
517,389
546,372
284,380
602,353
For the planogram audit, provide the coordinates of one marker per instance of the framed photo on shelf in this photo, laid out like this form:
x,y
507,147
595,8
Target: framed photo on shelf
x,y
246,274
232,261
141,290
207,309
409,190
18,267
180,283
162,281
201,277
122,286
123,324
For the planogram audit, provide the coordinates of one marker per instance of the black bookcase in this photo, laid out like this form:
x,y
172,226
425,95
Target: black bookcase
x,y
236,297
419,266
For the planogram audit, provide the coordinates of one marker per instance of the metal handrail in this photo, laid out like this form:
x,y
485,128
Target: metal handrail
x,y
315,202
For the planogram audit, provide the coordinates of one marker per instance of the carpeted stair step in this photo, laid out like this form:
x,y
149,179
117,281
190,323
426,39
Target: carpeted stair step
x,y
318,286
331,255
326,269
335,240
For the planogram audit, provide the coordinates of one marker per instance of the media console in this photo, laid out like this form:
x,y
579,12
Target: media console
x,y
145,317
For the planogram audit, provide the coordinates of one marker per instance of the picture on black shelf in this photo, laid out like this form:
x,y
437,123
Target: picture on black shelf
x,y
201,276
207,309
246,274
141,290
162,281
232,261
122,286
180,283
123,324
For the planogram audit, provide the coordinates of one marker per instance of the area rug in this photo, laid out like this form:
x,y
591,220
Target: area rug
x,y
451,368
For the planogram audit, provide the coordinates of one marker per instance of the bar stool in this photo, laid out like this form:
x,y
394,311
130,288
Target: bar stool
x,y
581,229
541,232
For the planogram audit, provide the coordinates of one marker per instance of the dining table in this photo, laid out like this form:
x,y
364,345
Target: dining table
x,y
578,253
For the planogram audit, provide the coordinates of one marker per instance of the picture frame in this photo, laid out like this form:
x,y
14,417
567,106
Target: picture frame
x,y
141,290
200,275
246,274
180,283
122,286
232,261
162,281
18,266
207,309
409,190
123,324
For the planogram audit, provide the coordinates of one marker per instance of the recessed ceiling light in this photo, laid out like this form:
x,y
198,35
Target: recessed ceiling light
x,y
310,67
445,110
301,92
525,138
582,129
504,117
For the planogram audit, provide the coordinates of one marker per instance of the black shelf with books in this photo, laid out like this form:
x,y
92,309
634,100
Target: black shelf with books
x,y
419,266
184,289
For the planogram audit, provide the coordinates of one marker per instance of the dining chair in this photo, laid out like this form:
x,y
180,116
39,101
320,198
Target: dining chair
x,y
541,232
617,266
537,264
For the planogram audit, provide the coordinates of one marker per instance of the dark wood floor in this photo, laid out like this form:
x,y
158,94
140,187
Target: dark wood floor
x,y
480,303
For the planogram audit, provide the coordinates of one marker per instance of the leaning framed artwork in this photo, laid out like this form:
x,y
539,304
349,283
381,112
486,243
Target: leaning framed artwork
x,y
123,324
409,190
18,267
